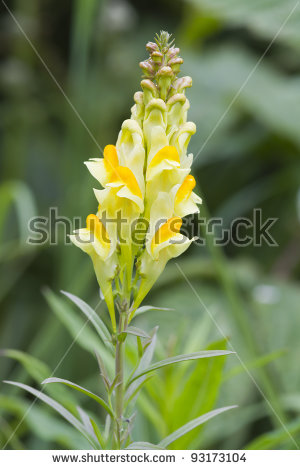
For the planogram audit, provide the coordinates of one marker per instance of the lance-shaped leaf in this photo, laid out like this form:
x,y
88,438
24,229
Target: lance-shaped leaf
x,y
132,330
148,308
175,359
86,421
98,433
93,318
131,393
192,425
59,408
144,445
143,364
81,331
103,372
35,368
82,390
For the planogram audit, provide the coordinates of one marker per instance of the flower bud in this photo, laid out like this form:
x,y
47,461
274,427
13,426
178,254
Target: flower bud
x,y
179,85
150,91
172,52
164,78
175,64
151,46
157,57
147,68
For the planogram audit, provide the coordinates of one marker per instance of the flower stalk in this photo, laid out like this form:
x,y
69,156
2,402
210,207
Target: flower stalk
x,y
147,190
147,186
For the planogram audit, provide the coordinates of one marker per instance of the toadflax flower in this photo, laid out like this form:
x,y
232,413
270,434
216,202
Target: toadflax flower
x,y
144,189
145,181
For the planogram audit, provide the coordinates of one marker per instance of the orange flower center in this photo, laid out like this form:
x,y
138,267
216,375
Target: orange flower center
x,y
185,190
94,224
166,231
169,152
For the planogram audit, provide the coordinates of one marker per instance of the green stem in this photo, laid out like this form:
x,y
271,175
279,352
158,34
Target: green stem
x,y
120,347
119,369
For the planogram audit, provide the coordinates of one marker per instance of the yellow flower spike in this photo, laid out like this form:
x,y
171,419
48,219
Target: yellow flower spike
x,y
124,175
169,152
145,175
111,160
185,190
166,232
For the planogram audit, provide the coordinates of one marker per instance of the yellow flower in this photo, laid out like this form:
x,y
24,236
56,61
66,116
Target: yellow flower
x,y
186,201
94,240
120,173
163,242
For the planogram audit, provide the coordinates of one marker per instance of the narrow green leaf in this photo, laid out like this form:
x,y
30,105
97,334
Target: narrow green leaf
x,y
132,330
42,423
103,372
131,393
57,407
93,318
139,346
86,421
19,193
143,363
98,434
82,390
107,427
35,368
192,425
181,358
79,330
196,393
255,364
148,308
144,446
275,439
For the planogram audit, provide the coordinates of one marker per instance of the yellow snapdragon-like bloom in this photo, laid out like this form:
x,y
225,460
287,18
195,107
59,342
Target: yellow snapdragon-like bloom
x,y
145,177
94,241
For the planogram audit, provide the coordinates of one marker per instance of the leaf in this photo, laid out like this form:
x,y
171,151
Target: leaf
x,y
42,423
132,330
93,318
82,390
103,372
57,407
192,425
144,446
86,420
147,308
262,18
98,433
133,392
143,363
39,371
18,193
35,368
275,439
175,359
79,330
195,393
255,364
268,97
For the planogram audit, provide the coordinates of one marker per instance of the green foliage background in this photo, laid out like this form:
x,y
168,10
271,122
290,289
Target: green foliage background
x,y
249,158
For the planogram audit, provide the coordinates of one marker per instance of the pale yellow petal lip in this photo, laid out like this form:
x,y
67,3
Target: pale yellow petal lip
x,y
97,169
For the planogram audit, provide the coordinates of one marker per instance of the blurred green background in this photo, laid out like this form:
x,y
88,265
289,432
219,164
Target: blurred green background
x,y
249,159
